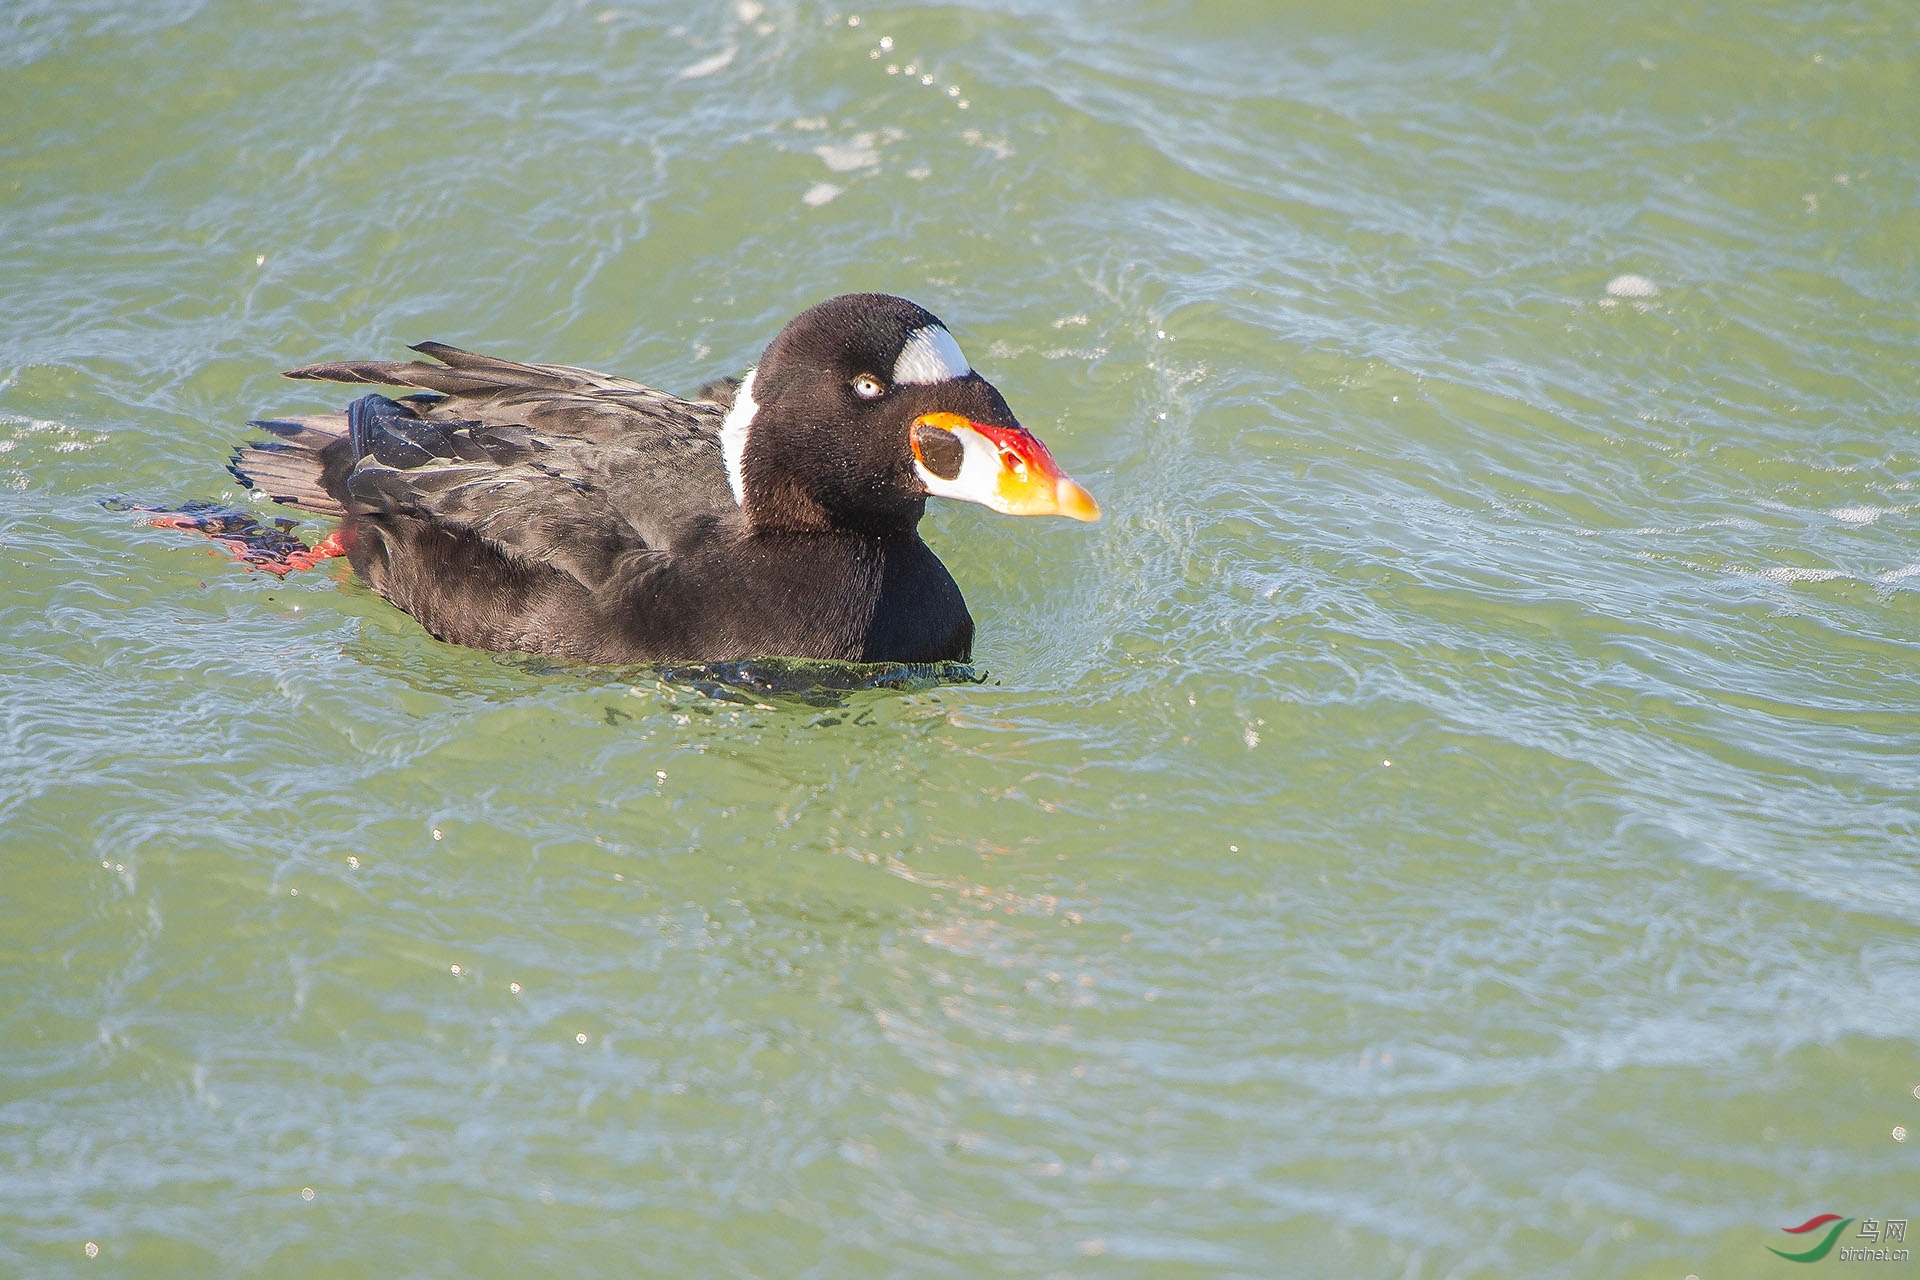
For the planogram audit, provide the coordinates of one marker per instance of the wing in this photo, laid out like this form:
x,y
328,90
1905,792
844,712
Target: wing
x,y
549,464
469,377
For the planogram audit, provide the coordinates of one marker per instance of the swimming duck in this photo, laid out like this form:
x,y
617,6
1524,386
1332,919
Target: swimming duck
x,y
552,510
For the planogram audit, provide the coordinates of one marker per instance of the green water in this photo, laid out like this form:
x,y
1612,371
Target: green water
x,y
328,950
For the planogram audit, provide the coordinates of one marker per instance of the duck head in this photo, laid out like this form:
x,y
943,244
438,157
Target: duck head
x,y
862,407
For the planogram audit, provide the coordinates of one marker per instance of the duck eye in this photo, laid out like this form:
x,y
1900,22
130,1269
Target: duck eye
x,y
868,387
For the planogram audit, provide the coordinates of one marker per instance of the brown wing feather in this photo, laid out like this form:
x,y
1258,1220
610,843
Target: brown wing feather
x,y
469,374
550,464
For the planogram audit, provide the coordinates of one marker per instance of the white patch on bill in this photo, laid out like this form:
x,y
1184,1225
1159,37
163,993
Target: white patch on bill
x,y
733,436
979,476
931,355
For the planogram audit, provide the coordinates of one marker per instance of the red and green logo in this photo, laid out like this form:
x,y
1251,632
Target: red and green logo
x,y
1814,1223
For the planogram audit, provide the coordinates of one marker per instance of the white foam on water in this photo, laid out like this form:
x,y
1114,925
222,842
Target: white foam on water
x,y
857,153
710,66
1632,286
999,148
1783,573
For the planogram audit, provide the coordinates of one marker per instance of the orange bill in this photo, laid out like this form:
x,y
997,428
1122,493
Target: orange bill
x,y
1005,468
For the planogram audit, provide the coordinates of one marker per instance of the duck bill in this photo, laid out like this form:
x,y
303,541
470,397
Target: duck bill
x,y
1005,468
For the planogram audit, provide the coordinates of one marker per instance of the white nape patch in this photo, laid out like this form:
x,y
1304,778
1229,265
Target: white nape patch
x,y
733,436
931,355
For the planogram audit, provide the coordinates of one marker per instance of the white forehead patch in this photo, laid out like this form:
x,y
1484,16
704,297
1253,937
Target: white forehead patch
x,y
931,355
733,436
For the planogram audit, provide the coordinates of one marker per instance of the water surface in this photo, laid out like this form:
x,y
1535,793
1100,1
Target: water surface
x,y
1455,816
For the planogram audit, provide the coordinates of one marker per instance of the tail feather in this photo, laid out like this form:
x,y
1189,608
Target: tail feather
x,y
314,433
287,469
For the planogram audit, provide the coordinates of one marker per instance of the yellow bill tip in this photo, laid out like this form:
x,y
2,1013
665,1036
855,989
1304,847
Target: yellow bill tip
x,y
1075,501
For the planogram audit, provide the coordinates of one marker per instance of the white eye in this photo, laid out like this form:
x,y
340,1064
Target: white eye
x,y
868,387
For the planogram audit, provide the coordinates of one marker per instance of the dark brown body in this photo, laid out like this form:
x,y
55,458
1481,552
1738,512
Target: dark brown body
x,y
550,510
837,596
